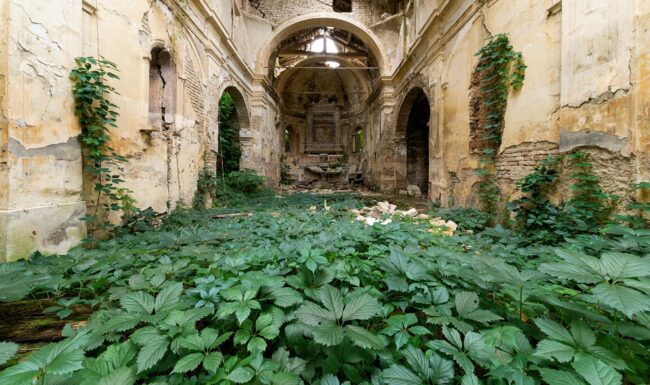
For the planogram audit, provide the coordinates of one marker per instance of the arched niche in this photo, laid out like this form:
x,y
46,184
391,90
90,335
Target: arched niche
x,y
162,88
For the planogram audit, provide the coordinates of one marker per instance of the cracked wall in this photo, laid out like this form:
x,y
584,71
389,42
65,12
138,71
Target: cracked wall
x,y
40,164
586,87
42,191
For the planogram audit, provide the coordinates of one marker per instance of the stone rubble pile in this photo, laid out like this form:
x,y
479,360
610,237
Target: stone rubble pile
x,y
382,212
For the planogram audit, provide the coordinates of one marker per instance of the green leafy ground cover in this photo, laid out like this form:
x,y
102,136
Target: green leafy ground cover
x,y
293,295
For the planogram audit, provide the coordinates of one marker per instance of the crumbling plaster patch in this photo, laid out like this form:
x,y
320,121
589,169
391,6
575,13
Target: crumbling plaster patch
x,y
68,151
572,140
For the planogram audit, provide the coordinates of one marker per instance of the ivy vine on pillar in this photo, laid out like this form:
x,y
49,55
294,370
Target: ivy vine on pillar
x,y
500,70
97,115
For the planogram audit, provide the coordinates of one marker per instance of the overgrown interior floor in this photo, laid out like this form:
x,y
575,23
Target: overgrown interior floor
x,y
313,294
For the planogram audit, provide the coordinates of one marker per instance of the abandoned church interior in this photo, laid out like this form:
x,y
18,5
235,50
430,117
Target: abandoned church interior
x,y
324,192
380,93
377,92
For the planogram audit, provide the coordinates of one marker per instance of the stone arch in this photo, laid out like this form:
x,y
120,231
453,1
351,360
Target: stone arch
x,y
241,106
242,116
414,128
162,87
322,19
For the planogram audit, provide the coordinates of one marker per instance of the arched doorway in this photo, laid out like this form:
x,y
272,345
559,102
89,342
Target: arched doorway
x,y
324,77
414,126
233,120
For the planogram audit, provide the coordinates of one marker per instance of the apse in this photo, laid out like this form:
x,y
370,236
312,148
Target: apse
x,y
324,77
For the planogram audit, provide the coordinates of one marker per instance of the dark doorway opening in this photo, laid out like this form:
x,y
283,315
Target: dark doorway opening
x,y
417,142
230,150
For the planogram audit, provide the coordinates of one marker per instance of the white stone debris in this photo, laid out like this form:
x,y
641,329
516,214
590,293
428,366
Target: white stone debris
x,y
411,213
384,212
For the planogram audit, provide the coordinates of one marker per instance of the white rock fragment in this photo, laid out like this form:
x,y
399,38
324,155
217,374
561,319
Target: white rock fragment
x,y
386,208
440,226
370,221
412,213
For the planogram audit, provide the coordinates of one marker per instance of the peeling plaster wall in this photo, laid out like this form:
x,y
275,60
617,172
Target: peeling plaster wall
x,y
43,195
641,91
586,87
40,160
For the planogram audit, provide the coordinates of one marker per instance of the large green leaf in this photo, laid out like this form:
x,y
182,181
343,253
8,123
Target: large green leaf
x,y
152,351
286,296
550,349
582,334
626,300
363,338
168,298
242,312
286,378
122,322
311,314
560,377
442,370
596,372
60,358
241,375
607,356
575,267
21,374
466,302
7,351
417,360
188,363
470,379
213,361
623,266
120,376
330,379
256,345
138,302
332,300
328,334
400,375
361,307
554,330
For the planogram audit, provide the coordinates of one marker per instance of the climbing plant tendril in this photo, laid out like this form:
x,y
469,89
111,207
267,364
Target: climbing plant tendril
x,y
501,69
97,114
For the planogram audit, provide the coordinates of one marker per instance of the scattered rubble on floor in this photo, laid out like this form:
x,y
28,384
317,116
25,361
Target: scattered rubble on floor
x,y
383,212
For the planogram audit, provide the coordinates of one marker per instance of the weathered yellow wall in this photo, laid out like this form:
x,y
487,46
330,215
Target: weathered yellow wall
x,y
585,87
40,203
42,196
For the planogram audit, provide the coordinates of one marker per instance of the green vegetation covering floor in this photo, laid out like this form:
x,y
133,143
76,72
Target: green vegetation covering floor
x,y
294,295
